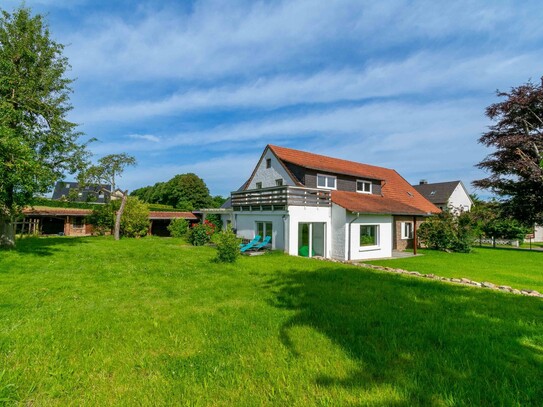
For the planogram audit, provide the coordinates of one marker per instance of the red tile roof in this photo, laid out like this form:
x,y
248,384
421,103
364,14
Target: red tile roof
x,y
397,195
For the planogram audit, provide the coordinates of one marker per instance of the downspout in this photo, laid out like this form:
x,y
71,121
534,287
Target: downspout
x,y
349,241
415,243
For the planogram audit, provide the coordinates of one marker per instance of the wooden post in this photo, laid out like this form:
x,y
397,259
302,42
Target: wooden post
x,y
415,235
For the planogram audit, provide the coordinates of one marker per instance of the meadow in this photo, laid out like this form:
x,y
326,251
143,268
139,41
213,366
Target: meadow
x,y
152,321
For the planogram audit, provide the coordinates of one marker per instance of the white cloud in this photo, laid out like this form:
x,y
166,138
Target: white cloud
x,y
226,38
148,137
416,75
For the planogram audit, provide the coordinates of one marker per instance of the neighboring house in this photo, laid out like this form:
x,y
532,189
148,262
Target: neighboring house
x,y
313,205
451,195
73,222
538,234
70,191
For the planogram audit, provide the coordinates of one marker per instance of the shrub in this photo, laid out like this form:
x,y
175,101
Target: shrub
x,y
102,219
227,246
135,219
178,227
447,232
200,233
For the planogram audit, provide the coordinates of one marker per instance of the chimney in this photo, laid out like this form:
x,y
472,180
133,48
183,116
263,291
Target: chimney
x,y
423,182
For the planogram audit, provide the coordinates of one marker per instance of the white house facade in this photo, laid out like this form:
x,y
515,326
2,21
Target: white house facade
x,y
312,205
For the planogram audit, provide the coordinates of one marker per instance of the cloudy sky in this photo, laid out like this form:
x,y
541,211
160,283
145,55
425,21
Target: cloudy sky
x,y
203,86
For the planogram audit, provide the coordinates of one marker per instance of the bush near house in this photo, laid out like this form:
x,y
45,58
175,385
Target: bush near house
x,y
134,222
178,227
227,246
447,232
200,233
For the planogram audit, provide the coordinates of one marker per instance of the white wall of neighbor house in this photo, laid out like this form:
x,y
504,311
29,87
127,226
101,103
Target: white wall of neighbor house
x,y
538,234
384,245
308,214
339,233
246,226
460,199
268,176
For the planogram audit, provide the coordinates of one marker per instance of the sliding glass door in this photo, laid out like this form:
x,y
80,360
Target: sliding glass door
x,y
312,239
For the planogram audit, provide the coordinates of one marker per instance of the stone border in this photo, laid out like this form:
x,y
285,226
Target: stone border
x,y
461,281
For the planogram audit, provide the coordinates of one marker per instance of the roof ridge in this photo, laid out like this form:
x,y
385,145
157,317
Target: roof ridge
x,y
272,146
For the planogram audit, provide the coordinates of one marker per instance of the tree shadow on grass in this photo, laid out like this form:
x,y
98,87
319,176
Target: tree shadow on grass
x,y
46,246
434,343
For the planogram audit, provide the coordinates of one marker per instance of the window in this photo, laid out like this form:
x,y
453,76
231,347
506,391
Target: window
x,y
268,162
279,182
78,222
259,185
369,235
326,181
264,229
407,230
363,186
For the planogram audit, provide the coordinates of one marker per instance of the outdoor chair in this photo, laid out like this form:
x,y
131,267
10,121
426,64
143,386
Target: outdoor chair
x,y
244,248
261,244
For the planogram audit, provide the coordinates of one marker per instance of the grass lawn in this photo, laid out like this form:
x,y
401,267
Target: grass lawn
x,y
522,269
90,321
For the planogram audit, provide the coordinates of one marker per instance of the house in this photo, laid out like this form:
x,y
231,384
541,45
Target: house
x,y
451,195
73,221
314,205
70,191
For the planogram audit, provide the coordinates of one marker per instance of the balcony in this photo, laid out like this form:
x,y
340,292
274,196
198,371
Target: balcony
x,y
278,198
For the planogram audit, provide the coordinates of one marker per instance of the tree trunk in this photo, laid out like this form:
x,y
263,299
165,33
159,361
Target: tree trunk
x,y
119,215
7,232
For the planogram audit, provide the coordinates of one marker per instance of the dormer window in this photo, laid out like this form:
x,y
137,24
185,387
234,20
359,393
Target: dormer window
x,y
326,181
363,186
268,162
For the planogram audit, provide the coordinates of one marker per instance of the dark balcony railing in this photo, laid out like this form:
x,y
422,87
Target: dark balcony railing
x,y
277,198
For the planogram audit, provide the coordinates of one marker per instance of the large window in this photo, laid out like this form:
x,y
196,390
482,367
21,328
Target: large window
x,y
369,235
363,186
407,230
326,181
264,229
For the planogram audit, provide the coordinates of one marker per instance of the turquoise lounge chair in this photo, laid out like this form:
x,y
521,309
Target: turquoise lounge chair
x,y
262,244
246,247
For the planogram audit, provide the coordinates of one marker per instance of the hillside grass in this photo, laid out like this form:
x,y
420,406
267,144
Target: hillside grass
x,y
91,321
522,269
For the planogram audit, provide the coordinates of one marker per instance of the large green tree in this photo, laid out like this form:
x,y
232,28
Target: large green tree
x,y
184,191
515,168
37,143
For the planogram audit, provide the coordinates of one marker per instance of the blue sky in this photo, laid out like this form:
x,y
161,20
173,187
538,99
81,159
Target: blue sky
x,y
203,86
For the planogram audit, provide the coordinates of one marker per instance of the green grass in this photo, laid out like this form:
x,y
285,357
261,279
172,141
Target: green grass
x,y
522,269
90,321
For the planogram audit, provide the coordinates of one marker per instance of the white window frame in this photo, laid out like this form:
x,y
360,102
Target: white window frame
x,y
377,237
365,182
326,181
404,235
264,229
